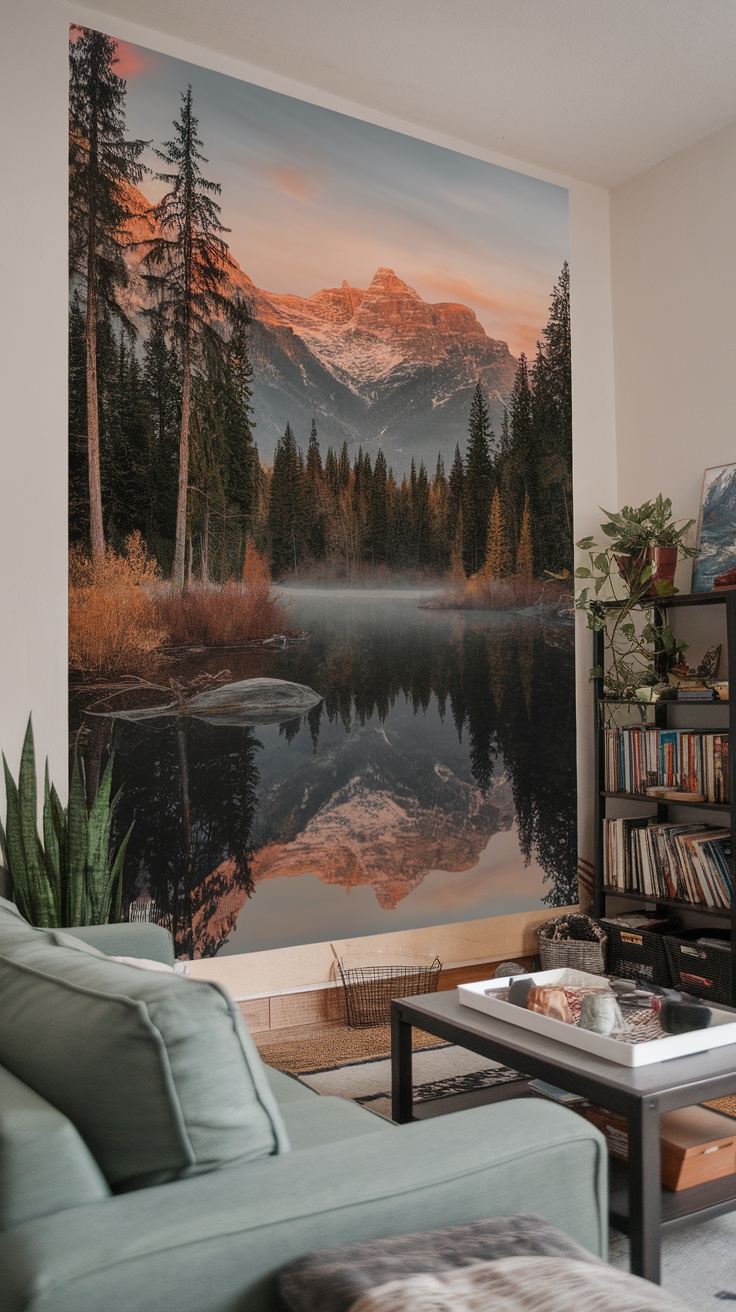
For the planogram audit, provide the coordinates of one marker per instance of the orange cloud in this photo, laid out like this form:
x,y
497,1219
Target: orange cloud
x,y
296,184
132,61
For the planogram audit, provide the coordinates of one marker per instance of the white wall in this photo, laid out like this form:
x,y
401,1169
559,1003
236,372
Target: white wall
x,y
673,252
33,310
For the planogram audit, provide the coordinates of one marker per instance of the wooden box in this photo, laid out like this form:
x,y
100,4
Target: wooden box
x,y
698,1145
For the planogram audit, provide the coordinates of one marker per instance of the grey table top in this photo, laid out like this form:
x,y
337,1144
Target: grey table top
x,y
676,1076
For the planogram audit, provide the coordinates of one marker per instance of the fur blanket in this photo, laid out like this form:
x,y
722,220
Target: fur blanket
x,y
521,1284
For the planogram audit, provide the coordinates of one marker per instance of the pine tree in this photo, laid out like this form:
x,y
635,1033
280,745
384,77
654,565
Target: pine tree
x,y
102,166
343,468
378,513
524,552
188,261
284,510
314,508
478,483
552,425
496,564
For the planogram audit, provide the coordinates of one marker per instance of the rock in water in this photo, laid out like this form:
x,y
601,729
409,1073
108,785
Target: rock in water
x,y
550,1000
254,701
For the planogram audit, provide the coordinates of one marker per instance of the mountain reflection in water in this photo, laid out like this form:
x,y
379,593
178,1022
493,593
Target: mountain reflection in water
x,y
444,740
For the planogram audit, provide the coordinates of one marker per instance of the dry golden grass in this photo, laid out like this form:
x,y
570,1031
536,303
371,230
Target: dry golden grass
x,y
121,614
112,625
513,593
231,613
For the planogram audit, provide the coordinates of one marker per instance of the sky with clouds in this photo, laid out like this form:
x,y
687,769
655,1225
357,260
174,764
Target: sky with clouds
x,y
313,197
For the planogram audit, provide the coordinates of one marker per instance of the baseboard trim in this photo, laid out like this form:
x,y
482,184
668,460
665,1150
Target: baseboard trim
x,y
322,1004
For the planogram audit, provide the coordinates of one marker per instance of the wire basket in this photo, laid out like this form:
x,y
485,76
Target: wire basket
x,y
371,981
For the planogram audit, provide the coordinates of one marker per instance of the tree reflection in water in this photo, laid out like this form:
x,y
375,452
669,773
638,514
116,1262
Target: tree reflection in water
x,y
505,690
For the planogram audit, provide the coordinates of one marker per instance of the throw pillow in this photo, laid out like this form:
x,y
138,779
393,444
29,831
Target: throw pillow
x,y
159,1074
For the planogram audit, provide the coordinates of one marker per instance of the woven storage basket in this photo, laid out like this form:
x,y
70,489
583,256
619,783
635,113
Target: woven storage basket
x,y
571,954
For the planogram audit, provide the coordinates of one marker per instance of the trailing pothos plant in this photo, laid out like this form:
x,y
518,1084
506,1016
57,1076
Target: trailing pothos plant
x,y
70,874
621,588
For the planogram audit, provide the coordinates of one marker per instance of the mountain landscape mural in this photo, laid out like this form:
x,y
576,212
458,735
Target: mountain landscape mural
x,y
320,512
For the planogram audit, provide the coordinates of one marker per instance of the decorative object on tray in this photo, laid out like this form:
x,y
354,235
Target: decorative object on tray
x,y
669,1025
715,561
573,940
635,569
601,1013
549,1000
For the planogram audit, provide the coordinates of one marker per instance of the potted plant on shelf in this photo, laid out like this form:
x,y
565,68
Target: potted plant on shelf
x,y
73,875
623,582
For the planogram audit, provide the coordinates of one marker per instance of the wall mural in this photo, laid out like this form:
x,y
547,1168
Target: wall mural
x,y
320,511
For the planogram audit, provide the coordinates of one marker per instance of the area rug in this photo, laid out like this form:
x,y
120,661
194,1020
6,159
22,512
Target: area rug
x,y
439,1072
356,1064
327,1046
727,1105
698,1263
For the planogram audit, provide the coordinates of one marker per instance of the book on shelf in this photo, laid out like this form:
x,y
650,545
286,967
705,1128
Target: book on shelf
x,y
641,757
676,862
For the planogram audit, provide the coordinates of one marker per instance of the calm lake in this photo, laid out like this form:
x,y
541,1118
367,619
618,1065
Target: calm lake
x,y
441,758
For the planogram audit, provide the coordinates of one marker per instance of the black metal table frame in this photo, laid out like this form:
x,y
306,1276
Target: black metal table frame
x,y
641,1111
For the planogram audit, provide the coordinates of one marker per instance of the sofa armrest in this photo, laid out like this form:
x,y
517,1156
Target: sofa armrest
x,y
220,1240
45,1167
138,938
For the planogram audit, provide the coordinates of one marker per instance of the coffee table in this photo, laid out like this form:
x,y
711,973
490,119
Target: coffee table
x,y
639,1206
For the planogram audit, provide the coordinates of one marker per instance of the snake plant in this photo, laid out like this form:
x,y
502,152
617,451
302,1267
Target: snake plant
x,y
69,875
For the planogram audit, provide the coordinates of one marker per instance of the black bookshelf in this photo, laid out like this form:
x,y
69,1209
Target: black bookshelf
x,y
660,806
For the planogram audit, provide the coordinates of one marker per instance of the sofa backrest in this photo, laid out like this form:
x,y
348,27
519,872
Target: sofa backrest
x,y
158,1072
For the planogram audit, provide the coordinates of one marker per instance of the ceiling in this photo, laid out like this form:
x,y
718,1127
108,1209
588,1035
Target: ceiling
x,y
596,89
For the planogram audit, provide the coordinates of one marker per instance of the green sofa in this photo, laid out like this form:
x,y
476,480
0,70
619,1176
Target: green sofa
x,y
148,1161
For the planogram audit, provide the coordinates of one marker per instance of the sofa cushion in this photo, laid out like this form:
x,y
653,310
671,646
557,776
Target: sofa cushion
x,y
44,1165
158,1073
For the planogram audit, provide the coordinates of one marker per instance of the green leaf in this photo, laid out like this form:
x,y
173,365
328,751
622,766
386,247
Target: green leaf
x,y
77,849
596,672
602,562
98,842
51,844
116,876
25,854
582,572
585,544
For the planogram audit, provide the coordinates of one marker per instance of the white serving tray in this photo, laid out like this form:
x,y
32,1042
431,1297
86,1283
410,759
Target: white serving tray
x,y
720,1032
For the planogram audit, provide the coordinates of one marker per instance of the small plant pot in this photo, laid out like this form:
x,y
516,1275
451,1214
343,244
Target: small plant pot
x,y
664,563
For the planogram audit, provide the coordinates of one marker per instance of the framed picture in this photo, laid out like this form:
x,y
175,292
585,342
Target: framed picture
x,y
715,564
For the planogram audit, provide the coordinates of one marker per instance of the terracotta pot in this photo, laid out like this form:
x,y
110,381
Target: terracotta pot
x,y
664,563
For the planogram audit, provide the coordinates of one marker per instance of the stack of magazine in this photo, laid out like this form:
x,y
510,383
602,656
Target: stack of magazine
x,y
684,863
639,757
